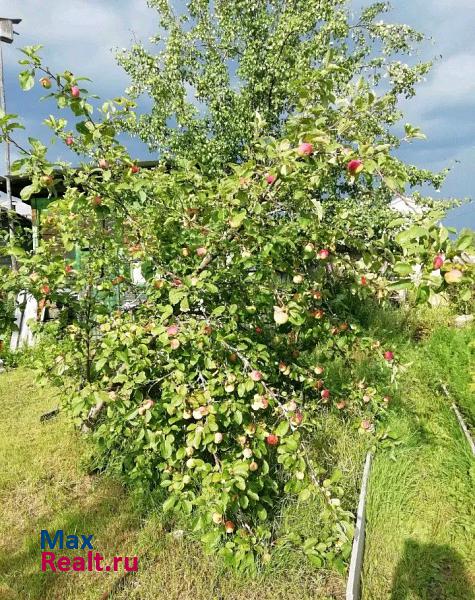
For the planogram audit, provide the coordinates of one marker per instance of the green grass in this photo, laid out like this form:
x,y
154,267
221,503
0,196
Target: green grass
x,y
451,355
44,487
421,510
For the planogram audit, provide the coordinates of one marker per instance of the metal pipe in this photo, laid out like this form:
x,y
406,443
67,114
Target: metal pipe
x,y
7,175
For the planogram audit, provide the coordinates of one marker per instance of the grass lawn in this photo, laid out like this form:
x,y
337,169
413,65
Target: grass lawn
x,y
421,532
42,486
421,508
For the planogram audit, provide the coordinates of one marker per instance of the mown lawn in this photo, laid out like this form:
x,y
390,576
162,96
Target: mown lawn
x,y
43,486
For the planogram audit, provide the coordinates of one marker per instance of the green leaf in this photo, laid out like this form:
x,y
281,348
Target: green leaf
x,y
412,233
464,241
315,560
28,191
236,219
403,268
403,284
211,539
262,513
175,296
319,208
184,305
169,503
27,80
282,428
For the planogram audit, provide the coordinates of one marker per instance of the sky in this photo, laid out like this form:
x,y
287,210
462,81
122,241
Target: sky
x,y
82,35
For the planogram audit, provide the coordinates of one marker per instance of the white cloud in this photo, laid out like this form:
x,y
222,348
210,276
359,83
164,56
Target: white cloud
x,y
80,35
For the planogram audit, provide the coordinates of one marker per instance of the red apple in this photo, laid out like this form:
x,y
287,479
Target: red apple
x,y
258,329
75,91
324,253
68,268
388,355
325,394
45,289
364,281
47,180
270,178
354,165
229,526
69,140
297,418
201,251
134,169
255,375
438,262
172,330
45,82
272,440
103,163
305,149
96,201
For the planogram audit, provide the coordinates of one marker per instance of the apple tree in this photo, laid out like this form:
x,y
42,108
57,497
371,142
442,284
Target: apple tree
x,y
203,383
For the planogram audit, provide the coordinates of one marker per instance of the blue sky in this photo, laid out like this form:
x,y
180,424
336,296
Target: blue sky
x,y
81,35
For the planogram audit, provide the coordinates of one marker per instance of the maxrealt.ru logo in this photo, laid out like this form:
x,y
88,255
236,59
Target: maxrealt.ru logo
x,y
91,561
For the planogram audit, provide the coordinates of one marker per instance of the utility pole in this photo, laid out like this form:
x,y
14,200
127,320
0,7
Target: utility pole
x,y
6,35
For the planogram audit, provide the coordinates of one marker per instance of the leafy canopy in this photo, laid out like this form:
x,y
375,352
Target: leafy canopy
x,y
219,63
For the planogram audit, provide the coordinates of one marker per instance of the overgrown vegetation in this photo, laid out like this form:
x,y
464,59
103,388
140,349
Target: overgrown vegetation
x,y
420,540
421,532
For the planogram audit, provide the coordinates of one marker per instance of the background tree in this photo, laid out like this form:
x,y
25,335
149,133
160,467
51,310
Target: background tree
x,y
219,64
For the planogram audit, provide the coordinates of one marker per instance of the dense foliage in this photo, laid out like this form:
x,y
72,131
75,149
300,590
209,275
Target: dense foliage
x,y
216,67
203,378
